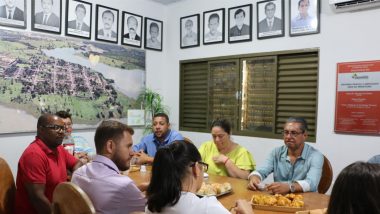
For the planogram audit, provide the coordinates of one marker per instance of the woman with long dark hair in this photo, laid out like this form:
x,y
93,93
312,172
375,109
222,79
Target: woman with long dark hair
x,y
356,190
177,174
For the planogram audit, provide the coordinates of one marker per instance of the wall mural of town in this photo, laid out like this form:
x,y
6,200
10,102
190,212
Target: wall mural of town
x,y
42,73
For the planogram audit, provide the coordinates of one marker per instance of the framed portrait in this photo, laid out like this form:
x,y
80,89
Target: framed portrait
x,y
107,24
270,19
304,17
213,26
240,23
153,34
78,18
13,13
132,29
46,15
189,33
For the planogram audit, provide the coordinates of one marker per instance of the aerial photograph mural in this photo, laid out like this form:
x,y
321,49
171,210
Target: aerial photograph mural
x,y
42,73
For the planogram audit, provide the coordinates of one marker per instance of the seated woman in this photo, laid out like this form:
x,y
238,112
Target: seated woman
x,y
177,174
224,156
356,190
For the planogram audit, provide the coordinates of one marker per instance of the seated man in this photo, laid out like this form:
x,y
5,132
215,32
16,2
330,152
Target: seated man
x,y
160,137
374,159
42,167
296,166
110,191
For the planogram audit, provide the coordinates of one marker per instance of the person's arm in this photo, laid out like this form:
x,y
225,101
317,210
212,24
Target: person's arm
x,y
36,194
313,176
242,207
262,172
232,169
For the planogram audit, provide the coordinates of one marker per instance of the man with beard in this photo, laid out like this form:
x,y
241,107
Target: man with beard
x,y
296,166
161,136
42,167
110,191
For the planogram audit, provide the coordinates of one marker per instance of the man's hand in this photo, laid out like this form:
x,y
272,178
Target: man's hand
x,y
254,182
220,159
278,188
143,158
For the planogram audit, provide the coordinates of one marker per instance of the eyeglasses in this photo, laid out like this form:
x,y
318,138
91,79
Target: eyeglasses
x,y
202,164
56,128
291,133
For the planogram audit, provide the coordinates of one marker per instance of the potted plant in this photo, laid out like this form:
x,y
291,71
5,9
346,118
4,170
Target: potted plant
x,y
153,104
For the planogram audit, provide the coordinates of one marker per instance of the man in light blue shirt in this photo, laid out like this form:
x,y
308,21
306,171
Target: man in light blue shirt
x,y
375,159
161,136
296,166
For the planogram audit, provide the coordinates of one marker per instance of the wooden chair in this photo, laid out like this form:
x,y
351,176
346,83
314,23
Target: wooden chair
x,y
7,188
69,198
327,176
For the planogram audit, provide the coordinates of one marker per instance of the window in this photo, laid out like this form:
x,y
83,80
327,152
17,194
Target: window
x,y
256,93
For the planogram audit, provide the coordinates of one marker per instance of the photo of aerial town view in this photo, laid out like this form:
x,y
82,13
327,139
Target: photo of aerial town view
x,y
42,73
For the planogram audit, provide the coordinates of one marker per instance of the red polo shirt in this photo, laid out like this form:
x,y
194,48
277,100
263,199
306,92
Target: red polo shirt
x,y
40,165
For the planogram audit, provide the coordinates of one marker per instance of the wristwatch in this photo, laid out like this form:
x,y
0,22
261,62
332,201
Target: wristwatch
x,y
292,187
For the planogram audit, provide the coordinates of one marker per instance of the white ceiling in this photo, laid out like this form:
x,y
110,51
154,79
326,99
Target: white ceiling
x,y
166,2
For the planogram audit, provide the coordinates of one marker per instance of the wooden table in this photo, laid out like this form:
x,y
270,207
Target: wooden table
x,y
239,191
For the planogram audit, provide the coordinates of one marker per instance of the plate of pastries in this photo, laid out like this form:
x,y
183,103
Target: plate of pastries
x,y
283,203
214,189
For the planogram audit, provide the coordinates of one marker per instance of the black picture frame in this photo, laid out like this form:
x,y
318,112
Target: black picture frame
x,y
189,39
242,16
125,36
270,19
304,26
18,17
71,19
47,16
149,42
219,33
104,15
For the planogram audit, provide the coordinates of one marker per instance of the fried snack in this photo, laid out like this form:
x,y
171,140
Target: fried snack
x,y
214,189
289,200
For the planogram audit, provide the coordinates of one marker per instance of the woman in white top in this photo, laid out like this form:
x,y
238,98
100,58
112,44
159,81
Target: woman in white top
x,y
177,174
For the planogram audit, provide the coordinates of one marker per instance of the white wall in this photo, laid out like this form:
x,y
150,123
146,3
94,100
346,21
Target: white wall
x,y
12,146
343,37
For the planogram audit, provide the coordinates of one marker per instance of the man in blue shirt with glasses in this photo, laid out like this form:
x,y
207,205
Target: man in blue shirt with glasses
x,y
296,166
161,136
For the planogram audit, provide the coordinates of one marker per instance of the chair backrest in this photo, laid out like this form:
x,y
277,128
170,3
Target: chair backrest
x,y
69,198
7,188
326,178
187,140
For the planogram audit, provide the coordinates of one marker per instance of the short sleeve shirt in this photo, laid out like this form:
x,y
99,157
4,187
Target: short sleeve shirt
x,y
41,165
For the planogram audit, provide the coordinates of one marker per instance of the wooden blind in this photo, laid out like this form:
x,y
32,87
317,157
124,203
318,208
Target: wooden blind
x,y
194,96
297,89
223,91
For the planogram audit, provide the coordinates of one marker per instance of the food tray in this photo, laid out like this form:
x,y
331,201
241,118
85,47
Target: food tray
x,y
277,208
216,195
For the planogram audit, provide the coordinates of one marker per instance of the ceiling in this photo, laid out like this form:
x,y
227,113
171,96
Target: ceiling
x,y
166,2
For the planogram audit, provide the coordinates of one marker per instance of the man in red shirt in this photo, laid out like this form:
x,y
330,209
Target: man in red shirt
x,y
42,167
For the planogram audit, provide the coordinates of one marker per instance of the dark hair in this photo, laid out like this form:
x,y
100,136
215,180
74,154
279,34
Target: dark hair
x,y
356,190
269,4
222,123
300,120
161,114
80,6
153,24
169,168
43,119
64,114
110,130
52,1
110,12
212,16
299,2
239,11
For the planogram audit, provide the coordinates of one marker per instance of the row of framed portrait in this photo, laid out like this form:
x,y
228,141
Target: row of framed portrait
x,y
47,17
303,20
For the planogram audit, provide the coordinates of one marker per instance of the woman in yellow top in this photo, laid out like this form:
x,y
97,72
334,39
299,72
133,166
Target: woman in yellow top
x,y
224,156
